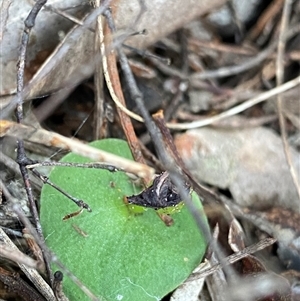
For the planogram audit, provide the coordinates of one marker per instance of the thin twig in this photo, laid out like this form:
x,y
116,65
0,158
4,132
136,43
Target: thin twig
x,y
47,138
97,165
147,54
233,111
195,44
98,81
63,14
233,70
248,64
182,86
234,258
279,80
21,157
270,13
237,109
230,70
45,180
29,23
114,86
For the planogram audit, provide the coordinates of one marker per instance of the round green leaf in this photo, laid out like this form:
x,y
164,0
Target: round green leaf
x,y
120,255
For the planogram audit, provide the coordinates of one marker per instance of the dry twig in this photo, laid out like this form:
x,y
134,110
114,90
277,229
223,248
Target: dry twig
x,y
234,258
113,83
55,140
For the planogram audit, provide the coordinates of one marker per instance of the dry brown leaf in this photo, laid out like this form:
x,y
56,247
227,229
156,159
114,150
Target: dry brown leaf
x,y
159,19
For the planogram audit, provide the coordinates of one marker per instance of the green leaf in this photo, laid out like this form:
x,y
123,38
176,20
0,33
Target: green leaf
x,y
124,256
